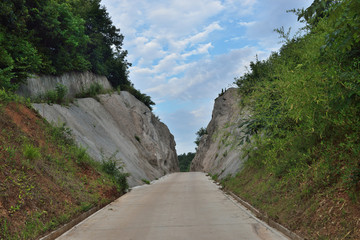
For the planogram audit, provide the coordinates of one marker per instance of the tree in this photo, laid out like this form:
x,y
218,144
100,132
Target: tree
x,y
185,161
201,132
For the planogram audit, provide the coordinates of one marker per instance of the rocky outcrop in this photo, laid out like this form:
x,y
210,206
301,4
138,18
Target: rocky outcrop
x,y
220,150
74,82
121,126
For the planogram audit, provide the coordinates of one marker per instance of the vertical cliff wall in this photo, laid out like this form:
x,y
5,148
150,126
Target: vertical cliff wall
x,y
220,150
115,124
74,82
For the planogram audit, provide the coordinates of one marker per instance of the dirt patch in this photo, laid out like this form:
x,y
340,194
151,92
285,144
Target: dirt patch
x,y
27,120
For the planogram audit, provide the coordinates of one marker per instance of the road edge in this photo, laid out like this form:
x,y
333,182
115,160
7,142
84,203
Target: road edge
x,y
264,217
67,226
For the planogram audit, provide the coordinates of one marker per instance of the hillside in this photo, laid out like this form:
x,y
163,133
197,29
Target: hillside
x,y
115,124
93,150
45,180
300,165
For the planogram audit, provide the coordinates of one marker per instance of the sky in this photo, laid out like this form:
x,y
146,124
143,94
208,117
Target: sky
x,y
183,52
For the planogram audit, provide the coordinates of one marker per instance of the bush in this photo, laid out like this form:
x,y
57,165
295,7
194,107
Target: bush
x,y
82,158
92,91
30,152
114,168
53,96
140,96
145,181
305,101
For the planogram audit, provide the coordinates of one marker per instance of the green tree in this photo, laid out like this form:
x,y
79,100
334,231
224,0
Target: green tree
x,y
201,132
185,161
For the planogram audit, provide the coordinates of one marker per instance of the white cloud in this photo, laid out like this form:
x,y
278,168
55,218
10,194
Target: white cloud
x,y
206,78
172,45
246,24
202,49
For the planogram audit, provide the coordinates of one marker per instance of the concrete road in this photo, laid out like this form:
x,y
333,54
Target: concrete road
x,y
182,206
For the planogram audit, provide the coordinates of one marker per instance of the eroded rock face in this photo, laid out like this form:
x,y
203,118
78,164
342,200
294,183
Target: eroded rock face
x,y
220,150
122,125
75,83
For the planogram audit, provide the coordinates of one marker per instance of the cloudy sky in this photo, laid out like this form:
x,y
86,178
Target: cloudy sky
x,y
185,51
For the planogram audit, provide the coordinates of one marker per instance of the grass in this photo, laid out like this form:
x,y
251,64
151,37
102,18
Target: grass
x,y
93,90
58,95
297,203
45,179
30,152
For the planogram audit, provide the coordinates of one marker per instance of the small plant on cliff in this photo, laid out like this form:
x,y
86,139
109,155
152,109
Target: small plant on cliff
x,y
137,138
202,131
145,181
53,96
93,90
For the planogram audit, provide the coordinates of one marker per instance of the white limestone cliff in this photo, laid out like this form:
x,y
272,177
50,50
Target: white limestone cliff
x,y
115,123
220,151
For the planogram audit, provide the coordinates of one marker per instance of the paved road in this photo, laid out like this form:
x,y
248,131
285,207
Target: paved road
x,y
182,206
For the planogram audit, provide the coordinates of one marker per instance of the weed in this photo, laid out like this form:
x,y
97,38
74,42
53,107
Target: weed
x,y
225,154
137,138
82,158
114,168
53,96
145,181
93,90
30,152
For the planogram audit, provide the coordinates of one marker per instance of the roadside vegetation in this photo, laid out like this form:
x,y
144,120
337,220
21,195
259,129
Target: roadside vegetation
x,y
303,168
45,179
185,161
53,37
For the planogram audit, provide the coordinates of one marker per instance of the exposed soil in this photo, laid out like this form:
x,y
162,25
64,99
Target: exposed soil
x,y
37,193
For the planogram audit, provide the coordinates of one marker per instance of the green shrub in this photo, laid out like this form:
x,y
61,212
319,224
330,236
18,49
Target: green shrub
x,y
114,168
6,96
93,90
30,152
82,158
53,96
140,96
145,181
305,101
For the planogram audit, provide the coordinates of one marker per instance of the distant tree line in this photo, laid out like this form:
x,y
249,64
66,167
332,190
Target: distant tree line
x,y
185,161
58,36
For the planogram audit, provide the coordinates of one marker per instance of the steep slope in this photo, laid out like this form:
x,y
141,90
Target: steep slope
x,y
330,212
45,180
114,125
220,150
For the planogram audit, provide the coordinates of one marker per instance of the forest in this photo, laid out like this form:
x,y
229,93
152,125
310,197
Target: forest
x,y
305,128
57,36
185,161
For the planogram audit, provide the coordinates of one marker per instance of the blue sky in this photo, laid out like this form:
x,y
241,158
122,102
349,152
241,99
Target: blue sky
x,y
184,52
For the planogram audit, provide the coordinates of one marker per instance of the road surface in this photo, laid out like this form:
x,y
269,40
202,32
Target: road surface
x,y
182,206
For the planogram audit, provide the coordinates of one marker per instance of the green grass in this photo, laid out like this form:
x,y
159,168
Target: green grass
x,y
30,152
